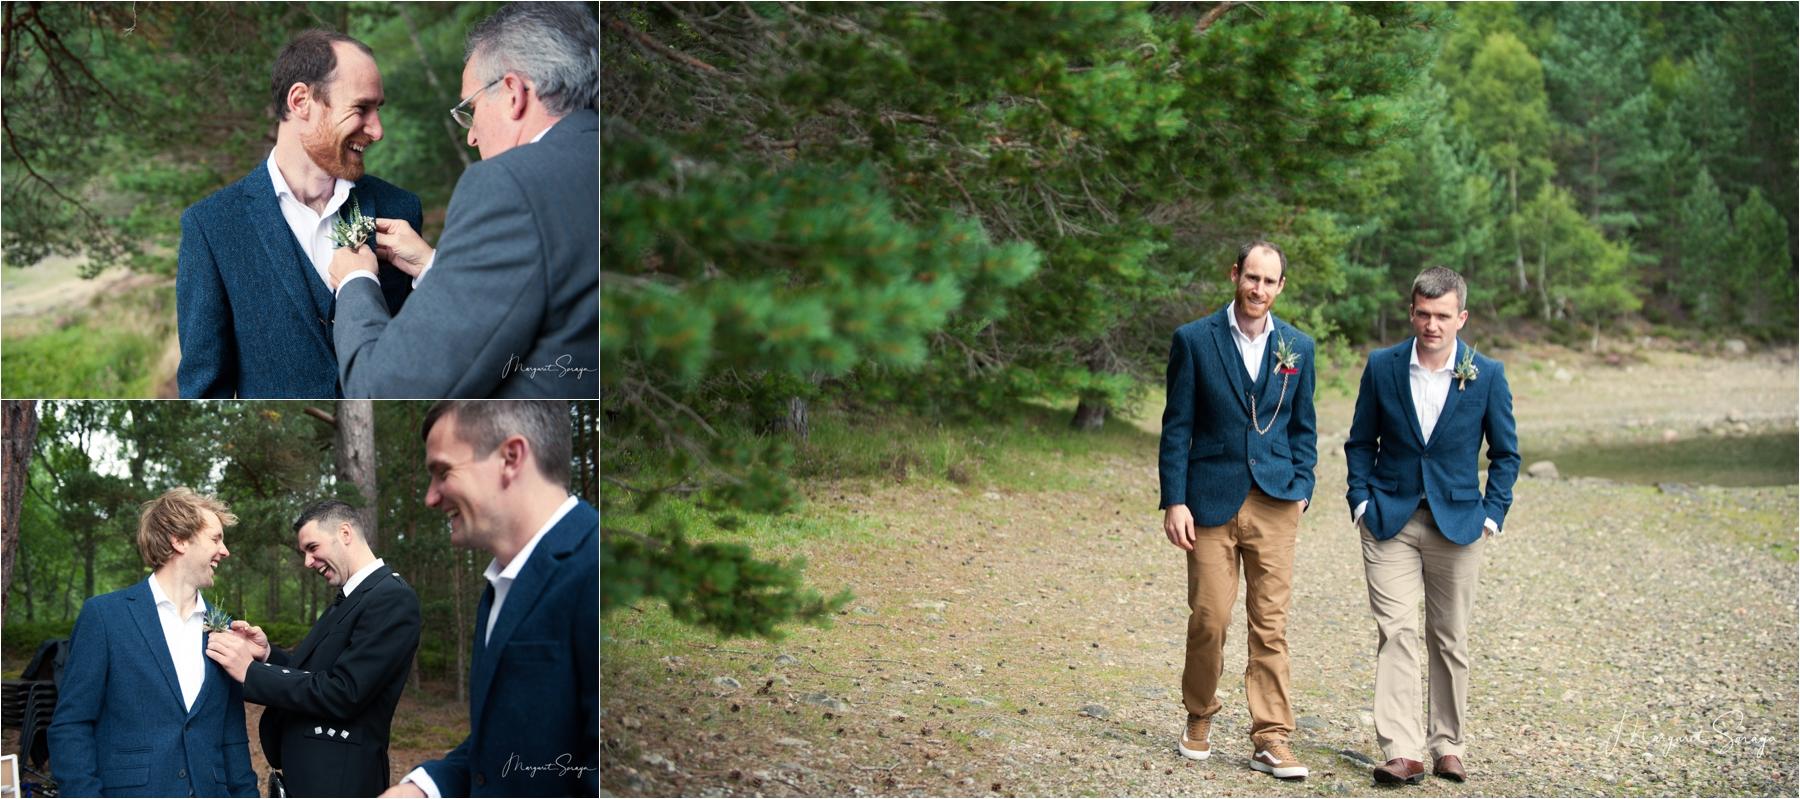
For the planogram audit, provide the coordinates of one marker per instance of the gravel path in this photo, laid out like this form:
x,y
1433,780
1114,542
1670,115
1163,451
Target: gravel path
x,y
1627,641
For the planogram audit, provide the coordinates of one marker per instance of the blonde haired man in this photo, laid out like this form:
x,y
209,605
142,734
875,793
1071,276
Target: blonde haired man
x,y
138,686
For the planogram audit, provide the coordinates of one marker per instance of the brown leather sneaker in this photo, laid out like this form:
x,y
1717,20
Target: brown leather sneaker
x,y
1400,771
1450,767
1273,757
1194,744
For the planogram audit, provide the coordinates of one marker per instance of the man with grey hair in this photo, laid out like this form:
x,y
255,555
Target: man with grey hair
x,y
500,473
509,305
1414,455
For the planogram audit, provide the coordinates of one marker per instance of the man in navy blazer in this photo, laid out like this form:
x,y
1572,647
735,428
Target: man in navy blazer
x,y
252,303
141,711
1415,494
1239,442
499,470
509,306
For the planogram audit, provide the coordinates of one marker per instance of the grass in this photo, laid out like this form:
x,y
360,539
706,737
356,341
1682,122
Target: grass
x,y
113,348
1029,447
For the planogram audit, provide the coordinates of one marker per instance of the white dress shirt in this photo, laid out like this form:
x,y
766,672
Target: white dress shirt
x,y
311,229
429,260
501,580
186,640
1430,390
1251,348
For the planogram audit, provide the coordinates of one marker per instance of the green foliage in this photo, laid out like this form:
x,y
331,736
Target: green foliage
x,y
1762,277
109,348
720,586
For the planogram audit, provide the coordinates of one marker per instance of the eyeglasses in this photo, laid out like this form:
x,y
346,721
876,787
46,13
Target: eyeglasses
x,y
463,113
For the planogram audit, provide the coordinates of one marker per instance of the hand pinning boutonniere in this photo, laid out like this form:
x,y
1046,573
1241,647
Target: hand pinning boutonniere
x,y
356,230
1286,357
217,620
1466,369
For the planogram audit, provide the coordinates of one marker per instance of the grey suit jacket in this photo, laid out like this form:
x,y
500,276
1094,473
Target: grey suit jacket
x,y
511,304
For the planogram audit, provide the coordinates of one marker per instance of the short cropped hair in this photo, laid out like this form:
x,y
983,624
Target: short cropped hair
x,y
1438,281
1252,246
308,58
486,423
175,516
329,513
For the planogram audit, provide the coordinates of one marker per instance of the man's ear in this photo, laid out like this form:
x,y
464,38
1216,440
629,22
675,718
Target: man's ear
x,y
513,458
299,101
515,97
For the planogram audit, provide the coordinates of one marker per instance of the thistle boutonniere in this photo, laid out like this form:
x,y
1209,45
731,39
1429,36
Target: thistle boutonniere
x,y
1286,358
355,230
1466,369
217,620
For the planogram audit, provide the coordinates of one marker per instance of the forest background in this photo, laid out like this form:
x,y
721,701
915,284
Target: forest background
x,y
959,213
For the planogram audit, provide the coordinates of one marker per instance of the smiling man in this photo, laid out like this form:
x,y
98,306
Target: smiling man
x,y
140,711
500,474
331,700
509,305
1239,443
252,299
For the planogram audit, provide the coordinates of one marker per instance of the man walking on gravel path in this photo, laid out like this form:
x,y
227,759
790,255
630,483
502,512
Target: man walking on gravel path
x,y
1415,497
1239,444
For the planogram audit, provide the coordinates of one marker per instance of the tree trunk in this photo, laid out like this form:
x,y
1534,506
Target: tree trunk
x,y
1090,414
795,422
20,423
1512,178
355,454
462,627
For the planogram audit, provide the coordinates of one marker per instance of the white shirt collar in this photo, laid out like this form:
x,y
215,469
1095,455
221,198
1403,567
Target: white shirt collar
x,y
339,190
1415,358
361,574
1231,316
534,139
511,572
162,598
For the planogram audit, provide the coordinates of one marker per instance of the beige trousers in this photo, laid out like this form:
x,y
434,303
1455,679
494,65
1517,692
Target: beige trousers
x,y
1261,536
1418,563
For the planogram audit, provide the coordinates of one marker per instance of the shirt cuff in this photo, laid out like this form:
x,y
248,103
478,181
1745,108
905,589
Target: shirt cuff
x,y
423,779
429,260
1491,526
354,275
1356,515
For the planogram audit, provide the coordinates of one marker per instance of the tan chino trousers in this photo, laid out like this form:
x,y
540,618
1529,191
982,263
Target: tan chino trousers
x,y
1420,562
1261,536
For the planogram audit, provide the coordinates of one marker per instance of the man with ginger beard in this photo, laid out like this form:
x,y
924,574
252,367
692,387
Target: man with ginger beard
x,y
1239,443
252,302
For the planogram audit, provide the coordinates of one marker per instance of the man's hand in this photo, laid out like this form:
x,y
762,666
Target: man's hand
x,y
396,241
258,640
404,789
349,259
231,652
1178,525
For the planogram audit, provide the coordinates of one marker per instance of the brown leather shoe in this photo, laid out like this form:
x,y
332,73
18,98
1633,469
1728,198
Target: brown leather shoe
x,y
1450,767
1400,771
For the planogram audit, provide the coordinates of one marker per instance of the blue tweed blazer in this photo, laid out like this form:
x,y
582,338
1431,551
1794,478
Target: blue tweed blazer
x,y
1211,454
254,317
534,686
121,728
1393,467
